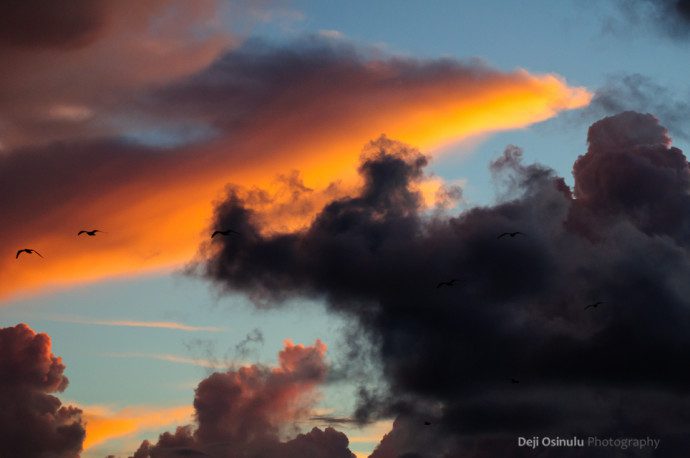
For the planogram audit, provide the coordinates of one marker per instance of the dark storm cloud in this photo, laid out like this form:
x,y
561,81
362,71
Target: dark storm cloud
x,y
33,423
241,413
518,310
50,24
626,92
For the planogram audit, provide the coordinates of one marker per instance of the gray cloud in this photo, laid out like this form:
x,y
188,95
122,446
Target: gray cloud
x,y
669,18
635,92
620,236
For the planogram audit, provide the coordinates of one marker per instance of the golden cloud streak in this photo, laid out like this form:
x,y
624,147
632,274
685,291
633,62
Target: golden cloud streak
x,y
104,424
155,223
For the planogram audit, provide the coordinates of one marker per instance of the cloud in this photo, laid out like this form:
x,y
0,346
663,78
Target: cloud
x,y
142,324
40,24
104,424
201,362
33,422
94,57
518,310
635,92
242,412
670,18
155,200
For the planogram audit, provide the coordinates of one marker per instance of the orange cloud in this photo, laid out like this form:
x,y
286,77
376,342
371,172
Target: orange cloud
x,y
141,324
104,424
156,203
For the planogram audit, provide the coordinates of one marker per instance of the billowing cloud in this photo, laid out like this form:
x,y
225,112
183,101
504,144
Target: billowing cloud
x,y
518,310
33,422
244,411
267,111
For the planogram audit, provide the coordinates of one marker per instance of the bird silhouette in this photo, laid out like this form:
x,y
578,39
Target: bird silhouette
x,y
225,232
427,423
510,234
27,251
447,283
90,233
512,380
595,305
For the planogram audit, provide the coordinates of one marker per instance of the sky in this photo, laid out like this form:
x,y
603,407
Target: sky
x,y
363,153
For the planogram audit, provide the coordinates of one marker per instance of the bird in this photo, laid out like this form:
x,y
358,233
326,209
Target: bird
x,y
447,283
595,305
427,423
512,380
225,232
27,251
511,234
90,233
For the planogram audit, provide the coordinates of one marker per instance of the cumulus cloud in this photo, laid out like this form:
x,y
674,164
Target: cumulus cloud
x,y
244,412
33,422
518,310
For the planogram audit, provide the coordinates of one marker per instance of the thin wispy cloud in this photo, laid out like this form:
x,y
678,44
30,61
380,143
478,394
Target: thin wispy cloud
x,y
141,324
168,358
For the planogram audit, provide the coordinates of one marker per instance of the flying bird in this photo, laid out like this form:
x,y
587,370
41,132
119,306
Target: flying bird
x,y
225,232
27,251
447,283
427,423
512,380
90,233
595,305
511,234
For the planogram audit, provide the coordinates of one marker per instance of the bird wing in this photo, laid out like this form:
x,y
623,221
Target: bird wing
x,y
215,233
440,284
18,253
36,252
502,235
590,305
81,232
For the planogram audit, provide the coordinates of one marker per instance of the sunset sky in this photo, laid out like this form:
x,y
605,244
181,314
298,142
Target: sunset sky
x,y
364,151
